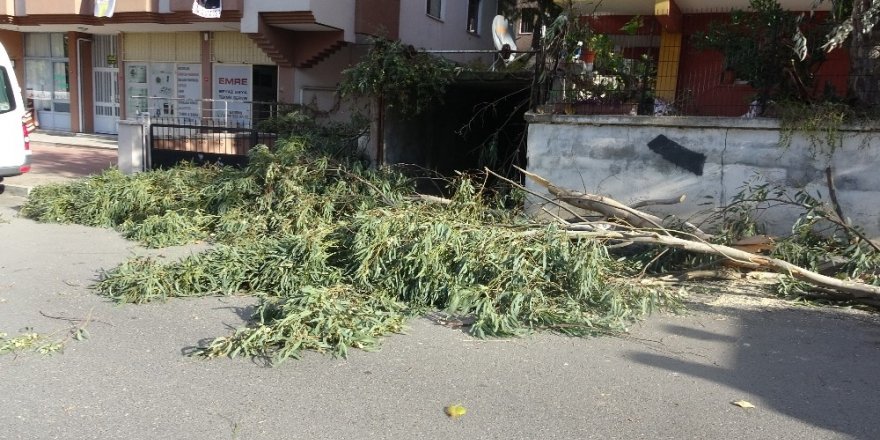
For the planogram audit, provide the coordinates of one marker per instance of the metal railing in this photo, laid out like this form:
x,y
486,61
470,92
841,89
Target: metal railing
x,y
206,142
210,112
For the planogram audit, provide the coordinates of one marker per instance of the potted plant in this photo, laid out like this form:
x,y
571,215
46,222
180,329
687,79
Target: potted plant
x,y
596,45
588,55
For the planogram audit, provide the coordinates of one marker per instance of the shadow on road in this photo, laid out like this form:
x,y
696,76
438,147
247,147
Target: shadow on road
x,y
817,366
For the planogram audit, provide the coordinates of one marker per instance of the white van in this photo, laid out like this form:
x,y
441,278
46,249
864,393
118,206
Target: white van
x,y
15,149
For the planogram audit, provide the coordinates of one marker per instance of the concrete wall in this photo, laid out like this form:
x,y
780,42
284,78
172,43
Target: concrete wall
x,y
316,86
610,155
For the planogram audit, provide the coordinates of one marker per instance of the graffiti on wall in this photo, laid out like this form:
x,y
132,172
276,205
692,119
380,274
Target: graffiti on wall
x,y
678,155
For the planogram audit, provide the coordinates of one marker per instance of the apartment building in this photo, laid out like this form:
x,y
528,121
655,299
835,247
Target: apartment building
x,y
83,68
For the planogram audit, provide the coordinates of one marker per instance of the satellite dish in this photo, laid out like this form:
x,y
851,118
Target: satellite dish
x,y
503,40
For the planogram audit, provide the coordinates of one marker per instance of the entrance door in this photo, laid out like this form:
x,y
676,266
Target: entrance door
x,y
265,92
106,99
106,83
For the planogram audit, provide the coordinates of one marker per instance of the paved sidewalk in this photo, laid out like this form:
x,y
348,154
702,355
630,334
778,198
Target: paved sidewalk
x,y
61,157
74,139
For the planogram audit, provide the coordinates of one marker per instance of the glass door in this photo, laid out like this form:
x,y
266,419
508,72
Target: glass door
x,y
106,83
61,90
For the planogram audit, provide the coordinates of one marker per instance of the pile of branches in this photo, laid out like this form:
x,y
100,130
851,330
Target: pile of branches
x,y
822,239
339,254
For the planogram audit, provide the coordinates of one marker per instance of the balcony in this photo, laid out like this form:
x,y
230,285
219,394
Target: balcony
x,y
301,15
318,27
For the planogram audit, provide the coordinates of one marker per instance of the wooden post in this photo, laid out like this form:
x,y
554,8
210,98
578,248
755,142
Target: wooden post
x,y
669,16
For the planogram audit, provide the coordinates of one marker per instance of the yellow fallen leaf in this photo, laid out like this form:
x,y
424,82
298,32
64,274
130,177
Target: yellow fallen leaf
x,y
743,404
455,411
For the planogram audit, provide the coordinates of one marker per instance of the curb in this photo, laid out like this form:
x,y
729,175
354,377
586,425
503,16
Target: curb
x,y
70,145
15,190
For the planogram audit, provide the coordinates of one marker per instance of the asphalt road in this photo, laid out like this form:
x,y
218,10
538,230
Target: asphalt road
x,y
810,372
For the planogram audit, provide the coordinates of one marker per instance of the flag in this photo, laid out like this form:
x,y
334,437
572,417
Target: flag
x,y
104,8
207,8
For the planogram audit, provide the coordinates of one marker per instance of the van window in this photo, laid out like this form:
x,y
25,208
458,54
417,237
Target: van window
x,y
7,99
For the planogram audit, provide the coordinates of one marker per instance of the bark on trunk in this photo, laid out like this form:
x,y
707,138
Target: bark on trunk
x,y
864,77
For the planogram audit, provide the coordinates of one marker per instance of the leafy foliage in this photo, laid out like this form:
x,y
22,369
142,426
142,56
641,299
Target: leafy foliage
x,y
820,122
331,137
46,344
820,241
847,23
326,318
339,255
612,80
399,75
188,203
29,341
760,45
134,204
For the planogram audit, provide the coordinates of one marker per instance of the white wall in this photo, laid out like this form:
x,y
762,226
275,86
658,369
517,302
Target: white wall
x,y
319,83
609,155
423,31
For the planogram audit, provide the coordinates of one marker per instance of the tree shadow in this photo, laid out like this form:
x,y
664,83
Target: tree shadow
x,y
246,314
818,366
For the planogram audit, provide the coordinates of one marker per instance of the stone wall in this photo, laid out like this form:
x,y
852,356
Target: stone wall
x,y
632,158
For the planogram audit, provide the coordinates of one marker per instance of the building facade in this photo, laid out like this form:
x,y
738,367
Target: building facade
x,y
83,67
694,80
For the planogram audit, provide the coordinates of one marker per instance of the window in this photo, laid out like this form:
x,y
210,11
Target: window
x,y
435,8
7,102
473,18
59,45
527,21
47,71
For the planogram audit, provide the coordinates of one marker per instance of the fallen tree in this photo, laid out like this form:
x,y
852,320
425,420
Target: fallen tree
x,y
340,254
648,230
738,258
609,207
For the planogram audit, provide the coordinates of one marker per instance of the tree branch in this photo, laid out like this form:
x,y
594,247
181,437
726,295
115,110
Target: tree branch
x,y
738,258
607,206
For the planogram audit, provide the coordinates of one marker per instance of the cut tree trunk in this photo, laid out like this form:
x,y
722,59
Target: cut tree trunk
x,y
607,207
653,234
